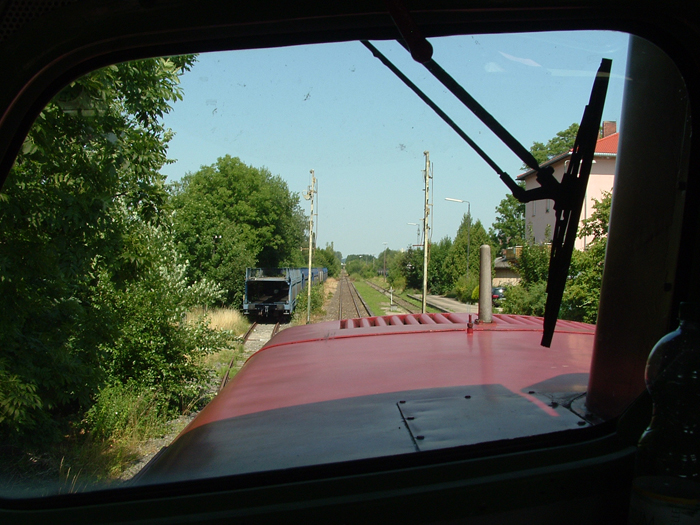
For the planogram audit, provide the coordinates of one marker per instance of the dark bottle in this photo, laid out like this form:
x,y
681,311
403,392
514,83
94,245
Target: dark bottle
x,y
671,444
666,487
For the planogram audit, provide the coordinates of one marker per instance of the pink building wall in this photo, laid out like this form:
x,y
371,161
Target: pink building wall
x,y
540,216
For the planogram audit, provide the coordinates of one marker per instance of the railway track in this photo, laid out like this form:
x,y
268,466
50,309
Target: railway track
x,y
254,339
351,304
410,308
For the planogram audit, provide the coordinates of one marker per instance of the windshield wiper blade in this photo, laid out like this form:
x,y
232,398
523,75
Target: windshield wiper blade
x,y
571,194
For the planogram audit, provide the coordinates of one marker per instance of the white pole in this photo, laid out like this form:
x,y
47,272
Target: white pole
x,y
312,189
426,228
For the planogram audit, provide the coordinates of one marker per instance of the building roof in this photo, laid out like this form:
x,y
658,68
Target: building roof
x,y
607,146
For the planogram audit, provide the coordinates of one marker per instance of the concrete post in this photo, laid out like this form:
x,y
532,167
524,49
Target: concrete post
x,y
485,299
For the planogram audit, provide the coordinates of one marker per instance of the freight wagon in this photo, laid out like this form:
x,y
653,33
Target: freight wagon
x,y
318,275
274,291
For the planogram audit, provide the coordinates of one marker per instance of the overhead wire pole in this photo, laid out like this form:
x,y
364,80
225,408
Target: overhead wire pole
x,y
309,195
426,228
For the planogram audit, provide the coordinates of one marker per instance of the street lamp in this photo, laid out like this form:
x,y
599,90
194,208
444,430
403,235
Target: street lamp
x,y
385,244
417,231
469,226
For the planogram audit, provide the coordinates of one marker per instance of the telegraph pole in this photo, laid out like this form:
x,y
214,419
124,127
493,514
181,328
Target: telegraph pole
x,y
426,228
309,195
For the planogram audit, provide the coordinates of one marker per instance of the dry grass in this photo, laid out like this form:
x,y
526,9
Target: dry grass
x,y
226,319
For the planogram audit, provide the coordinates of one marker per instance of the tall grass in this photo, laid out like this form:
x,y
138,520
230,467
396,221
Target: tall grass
x,y
94,452
225,319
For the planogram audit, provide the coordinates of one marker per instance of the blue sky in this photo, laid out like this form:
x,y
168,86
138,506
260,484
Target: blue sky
x,y
336,109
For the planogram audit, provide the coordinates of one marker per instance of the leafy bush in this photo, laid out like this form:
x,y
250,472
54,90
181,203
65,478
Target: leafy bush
x,y
464,288
156,347
582,291
526,300
125,411
18,400
88,171
399,283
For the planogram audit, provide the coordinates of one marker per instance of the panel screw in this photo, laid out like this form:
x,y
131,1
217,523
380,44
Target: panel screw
x,y
581,423
467,397
402,401
410,418
531,392
420,437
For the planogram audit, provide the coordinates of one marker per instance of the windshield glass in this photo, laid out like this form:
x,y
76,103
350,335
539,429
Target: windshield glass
x,y
148,192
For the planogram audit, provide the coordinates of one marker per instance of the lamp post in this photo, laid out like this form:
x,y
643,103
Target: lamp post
x,y
417,231
469,226
385,244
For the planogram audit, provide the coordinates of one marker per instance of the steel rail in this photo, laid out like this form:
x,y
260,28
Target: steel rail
x,y
340,297
411,308
354,302
364,304
275,330
224,380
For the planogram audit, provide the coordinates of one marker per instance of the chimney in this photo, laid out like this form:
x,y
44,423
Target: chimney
x,y
609,127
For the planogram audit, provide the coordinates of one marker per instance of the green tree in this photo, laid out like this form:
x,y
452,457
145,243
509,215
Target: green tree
x,y
154,348
582,294
530,295
508,229
455,263
230,216
407,269
562,142
582,291
360,266
328,258
438,281
87,177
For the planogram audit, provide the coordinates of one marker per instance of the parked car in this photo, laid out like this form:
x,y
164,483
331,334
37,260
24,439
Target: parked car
x,y
498,293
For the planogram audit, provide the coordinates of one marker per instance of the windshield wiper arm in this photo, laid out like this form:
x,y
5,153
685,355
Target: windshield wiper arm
x,y
384,60
567,195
